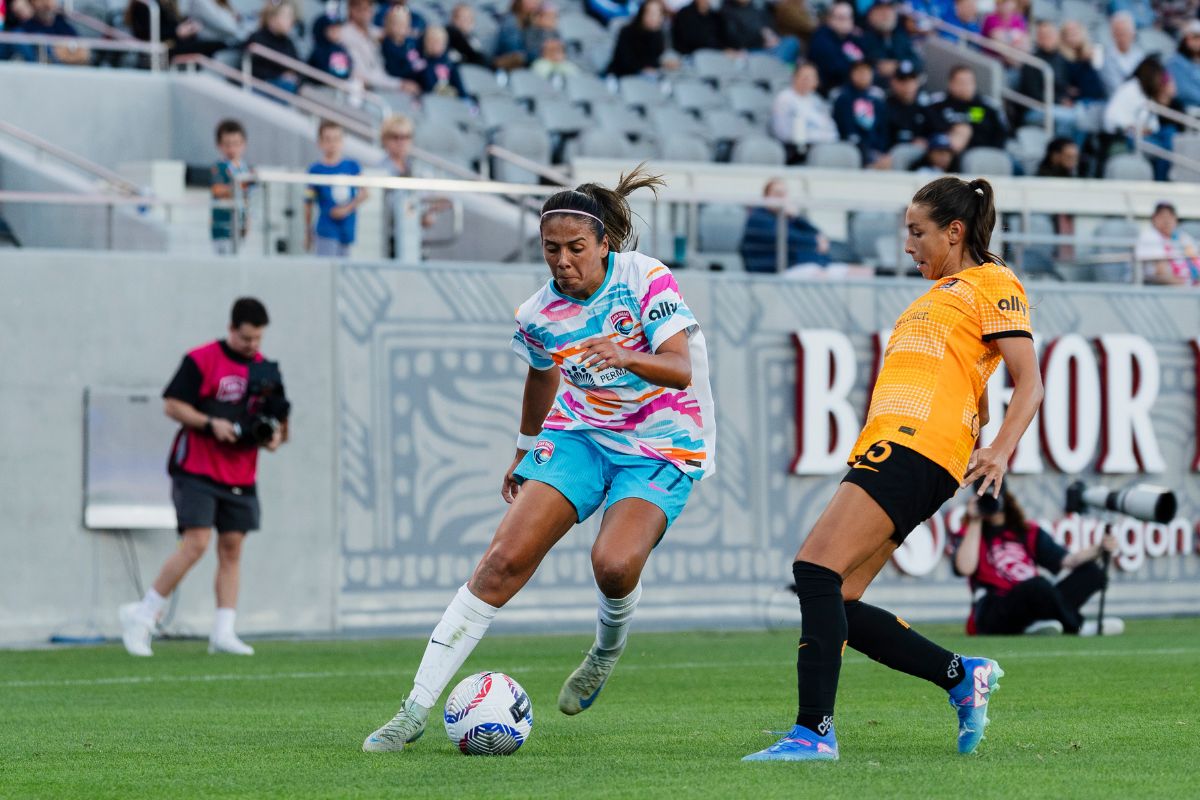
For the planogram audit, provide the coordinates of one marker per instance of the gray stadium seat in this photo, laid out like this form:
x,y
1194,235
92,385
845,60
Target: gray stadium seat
x,y
501,111
1128,167
1119,272
766,68
669,120
758,149
750,100
714,65
525,84
560,116
868,229
587,89
576,27
1153,40
1085,12
440,108
1037,260
596,143
986,161
720,228
684,147
641,92
905,154
528,140
443,138
696,94
724,123
479,81
834,155
621,118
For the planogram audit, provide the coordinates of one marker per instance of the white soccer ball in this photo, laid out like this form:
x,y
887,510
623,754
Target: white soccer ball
x,y
488,714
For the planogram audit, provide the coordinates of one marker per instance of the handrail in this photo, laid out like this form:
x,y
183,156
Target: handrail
x,y
436,161
101,27
446,185
195,60
78,161
541,170
49,40
1141,145
155,30
356,91
1012,53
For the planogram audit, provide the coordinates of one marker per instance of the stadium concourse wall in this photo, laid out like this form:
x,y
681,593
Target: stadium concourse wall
x,y
406,398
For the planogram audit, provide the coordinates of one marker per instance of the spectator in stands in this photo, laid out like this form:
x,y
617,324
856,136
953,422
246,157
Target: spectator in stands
x,y
805,244
1083,78
221,22
1061,159
861,116
274,32
328,55
800,117
415,20
361,40
835,47
12,19
47,20
1171,16
1031,82
963,14
605,11
907,114
396,136
1007,25
542,27
336,206
1184,65
465,45
231,179
641,43
1122,54
180,34
698,26
440,75
940,157
510,41
1167,254
749,29
553,64
1127,111
963,103
794,18
885,44
401,50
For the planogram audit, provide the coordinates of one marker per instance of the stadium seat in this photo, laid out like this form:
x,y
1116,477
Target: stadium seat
x,y
1036,260
588,90
578,27
1032,139
560,116
905,154
1045,9
868,229
1119,272
601,144
987,161
834,155
750,100
443,138
1128,167
720,228
696,95
479,81
528,140
1085,12
621,118
440,108
684,147
759,149
668,120
641,92
766,68
500,111
527,85
1153,40
714,65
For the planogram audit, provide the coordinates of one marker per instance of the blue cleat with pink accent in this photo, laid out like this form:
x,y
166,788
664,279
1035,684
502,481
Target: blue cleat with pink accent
x,y
970,700
800,744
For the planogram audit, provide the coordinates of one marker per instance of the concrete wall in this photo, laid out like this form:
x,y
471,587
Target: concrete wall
x,y
406,400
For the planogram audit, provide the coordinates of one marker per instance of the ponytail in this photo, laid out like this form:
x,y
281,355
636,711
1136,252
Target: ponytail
x,y
607,209
971,202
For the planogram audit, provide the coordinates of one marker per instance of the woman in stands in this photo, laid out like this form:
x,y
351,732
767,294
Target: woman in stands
x,y
918,443
617,412
275,33
1127,113
641,44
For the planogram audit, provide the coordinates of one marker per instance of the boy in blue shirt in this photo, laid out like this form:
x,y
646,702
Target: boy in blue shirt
x,y
231,179
336,205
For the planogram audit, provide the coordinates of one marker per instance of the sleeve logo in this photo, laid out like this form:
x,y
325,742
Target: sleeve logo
x,y
662,310
1013,303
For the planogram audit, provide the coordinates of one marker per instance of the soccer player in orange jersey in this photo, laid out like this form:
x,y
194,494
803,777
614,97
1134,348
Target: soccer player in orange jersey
x,y
916,449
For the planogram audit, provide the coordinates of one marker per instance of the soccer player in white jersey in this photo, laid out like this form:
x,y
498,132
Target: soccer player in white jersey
x,y
617,412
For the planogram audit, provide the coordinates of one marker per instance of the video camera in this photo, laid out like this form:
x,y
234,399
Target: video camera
x,y
266,406
1141,501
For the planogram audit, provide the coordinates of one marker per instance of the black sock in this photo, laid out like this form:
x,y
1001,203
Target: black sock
x,y
822,640
886,638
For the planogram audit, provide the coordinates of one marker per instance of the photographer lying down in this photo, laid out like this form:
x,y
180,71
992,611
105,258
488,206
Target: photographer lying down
x,y
999,552
230,402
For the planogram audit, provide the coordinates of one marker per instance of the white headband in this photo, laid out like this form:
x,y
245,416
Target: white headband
x,y
572,211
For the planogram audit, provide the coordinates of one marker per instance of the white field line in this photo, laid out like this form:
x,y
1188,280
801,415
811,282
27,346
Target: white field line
x,y
518,670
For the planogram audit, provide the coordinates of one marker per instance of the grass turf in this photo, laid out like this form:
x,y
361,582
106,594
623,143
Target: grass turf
x,y
1087,718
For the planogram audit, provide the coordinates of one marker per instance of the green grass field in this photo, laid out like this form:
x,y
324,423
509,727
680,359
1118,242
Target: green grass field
x,y
1075,718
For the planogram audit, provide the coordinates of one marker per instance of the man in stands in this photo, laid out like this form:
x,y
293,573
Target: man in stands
x,y
963,104
835,47
885,44
47,20
1122,54
907,115
213,466
698,26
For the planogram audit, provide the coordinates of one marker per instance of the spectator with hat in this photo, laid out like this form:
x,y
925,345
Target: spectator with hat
x,y
907,113
885,44
939,158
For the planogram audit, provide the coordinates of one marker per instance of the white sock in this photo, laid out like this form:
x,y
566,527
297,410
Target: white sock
x,y
465,622
152,604
612,621
223,623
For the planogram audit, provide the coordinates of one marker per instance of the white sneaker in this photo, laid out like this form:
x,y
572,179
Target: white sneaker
x,y
229,643
584,684
1113,626
404,728
136,629
1044,627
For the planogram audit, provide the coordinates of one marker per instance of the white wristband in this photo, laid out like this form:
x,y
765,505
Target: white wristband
x,y
525,442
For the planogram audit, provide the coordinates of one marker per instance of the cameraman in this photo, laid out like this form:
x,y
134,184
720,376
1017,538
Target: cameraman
x,y
230,402
999,552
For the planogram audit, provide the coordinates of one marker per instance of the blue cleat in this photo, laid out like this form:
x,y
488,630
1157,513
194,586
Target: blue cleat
x,y
970,700
800,744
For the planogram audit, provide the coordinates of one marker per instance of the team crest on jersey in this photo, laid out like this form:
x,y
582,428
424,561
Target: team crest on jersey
x,y
543,451
231,389
622,322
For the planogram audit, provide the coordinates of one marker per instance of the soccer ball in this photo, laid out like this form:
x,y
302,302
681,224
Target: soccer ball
x,y
488,714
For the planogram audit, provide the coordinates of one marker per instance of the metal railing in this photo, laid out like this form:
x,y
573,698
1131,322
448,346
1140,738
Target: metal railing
x,y
105,174
1141,145
356,95
964,36
155,52
159,62
560,178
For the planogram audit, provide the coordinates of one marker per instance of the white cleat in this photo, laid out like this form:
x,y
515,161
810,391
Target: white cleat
x,y
585,683
407,726
229,643
136,629
1113,626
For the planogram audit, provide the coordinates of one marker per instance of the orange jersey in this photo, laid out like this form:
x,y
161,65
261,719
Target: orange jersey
x,y
939,358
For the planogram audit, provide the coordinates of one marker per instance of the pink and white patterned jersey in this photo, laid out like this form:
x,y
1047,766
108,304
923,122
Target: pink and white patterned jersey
x,y
639,307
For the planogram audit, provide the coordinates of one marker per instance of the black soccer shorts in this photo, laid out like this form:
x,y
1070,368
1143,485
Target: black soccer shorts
x,y
909,487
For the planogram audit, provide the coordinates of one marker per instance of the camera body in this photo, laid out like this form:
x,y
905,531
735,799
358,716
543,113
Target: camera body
x,y
266,406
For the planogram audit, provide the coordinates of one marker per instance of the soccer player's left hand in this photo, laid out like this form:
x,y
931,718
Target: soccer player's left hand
x,y
604,353
989,464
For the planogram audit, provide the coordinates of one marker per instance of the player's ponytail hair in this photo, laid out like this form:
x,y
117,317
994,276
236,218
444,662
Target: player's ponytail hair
x,y
971,202
607,209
